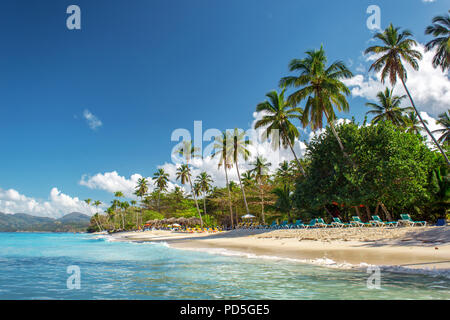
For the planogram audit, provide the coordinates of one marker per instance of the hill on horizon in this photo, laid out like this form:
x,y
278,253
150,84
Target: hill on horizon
x,y
72,222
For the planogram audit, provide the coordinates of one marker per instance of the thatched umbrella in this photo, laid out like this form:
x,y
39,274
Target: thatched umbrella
x,y
182,221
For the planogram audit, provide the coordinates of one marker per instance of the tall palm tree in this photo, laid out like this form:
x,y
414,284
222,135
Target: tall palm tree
x,y
161,179
140,191
412,124
221,148
397,47
239,149
204,182
189,151
440,29
277,117
88,203
261,171
284,173
124,205
247,178
321,86
97,203
184,175
118,195
444,120
388,108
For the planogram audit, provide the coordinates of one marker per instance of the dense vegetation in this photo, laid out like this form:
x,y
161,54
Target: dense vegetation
x,y
385,167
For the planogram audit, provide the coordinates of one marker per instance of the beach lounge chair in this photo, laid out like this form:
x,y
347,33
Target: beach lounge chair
x,y
322,223
312,224
380,223
358,223
441,223
337,222
284,225
406,219
297,225
274,225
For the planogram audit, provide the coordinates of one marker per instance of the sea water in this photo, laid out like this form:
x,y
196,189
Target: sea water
x,y
40,266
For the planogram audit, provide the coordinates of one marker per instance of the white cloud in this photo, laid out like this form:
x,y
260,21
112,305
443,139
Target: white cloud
x,y
429,87
92,120
57,205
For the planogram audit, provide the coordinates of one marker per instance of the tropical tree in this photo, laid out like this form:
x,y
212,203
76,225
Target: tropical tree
x,y
221,148
321,86
398,47
285,174
184,175
444,120
261,171
88,203
118,195
189,151
248,178
277,116
204,182
240,149
161,180
389,108
411,123
97,203
440,29
140,191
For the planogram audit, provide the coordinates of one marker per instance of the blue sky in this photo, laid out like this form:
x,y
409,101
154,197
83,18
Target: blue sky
x,y
145,68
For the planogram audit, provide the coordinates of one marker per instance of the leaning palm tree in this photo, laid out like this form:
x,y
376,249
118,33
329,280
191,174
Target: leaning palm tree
x,y
411,123
222,146
440,29
88,203
389,108
118,195
189,151
397,47
204,182
276,120
261,171
444,120
321,86
124,206
239,149
96,204
184,175
161,179
140,191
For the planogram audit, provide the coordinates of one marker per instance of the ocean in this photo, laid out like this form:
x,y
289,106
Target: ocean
x,y
83,266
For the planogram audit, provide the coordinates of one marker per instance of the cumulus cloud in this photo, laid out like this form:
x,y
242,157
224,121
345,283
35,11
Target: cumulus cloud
x,y
429,87
92,120
57,205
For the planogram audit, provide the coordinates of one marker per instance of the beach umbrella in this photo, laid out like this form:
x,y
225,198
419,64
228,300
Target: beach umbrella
x,y
248,216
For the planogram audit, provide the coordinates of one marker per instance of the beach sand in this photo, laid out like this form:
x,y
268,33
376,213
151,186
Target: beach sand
x,y
416,248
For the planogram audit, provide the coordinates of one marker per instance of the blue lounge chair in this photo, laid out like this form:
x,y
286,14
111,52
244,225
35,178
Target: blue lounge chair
x,y
406,219
312,224
274,225
380,223
441,223
338,223
358,223
322,223
284,225
297,225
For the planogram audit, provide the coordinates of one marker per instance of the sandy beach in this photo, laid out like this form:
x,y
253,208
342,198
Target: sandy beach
x,y
417,248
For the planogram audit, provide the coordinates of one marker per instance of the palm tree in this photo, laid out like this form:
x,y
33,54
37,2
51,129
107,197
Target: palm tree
x,y
284,173
161,179
188,151
124,206
412,124
396,48
440,29
261,170
239,148
222,147
247,178
321,87
444,120
184,175
119,194
389,108
276,119
88,203
204,182
97,203
140,191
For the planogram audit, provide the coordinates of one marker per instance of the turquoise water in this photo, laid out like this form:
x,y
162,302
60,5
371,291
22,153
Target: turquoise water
x,y
34,266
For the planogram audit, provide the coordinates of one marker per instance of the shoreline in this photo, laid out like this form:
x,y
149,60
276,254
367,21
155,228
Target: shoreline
x,y
419,248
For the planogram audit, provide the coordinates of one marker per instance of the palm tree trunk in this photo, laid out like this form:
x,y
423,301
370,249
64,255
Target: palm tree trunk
x,y
333,129
159,199
195,200
242,188
229,194
423,123
204,204
262,204
293,152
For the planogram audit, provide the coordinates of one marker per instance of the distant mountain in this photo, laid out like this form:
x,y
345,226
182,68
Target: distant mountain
x,y
72,222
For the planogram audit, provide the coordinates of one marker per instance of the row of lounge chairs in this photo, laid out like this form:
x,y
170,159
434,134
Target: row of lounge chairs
x,y
338,223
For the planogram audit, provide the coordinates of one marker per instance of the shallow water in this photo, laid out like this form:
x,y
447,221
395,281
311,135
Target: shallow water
x,y
34,266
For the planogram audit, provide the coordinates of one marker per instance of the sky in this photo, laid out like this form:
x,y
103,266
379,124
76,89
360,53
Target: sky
x,y
88,112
